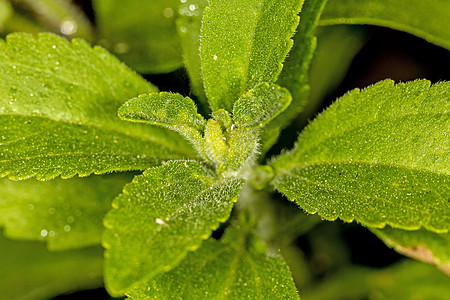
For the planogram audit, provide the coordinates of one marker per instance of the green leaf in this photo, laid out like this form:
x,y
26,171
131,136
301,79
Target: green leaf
x,y
189,23
243,151
58,112
65,213
29,271
171,111
260,105
407,280
426,19
216,147
420,244
294,75
161,216
141,33
164,109
244,42
378,156
236,267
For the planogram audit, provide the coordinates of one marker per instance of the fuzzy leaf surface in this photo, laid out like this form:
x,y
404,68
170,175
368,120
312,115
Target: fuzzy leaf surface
x,y
58,112
236,267
171,111
430,247
260,105
378,156
244,42
429,20
160,216
66,213
29,271
141,33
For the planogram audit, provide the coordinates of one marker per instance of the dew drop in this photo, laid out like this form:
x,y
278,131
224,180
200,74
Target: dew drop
x,y
183,1
70,219
51,233
44,232
68,27
51,211
168,12
67,228
30,206
192,7
215,57
54,46
183,29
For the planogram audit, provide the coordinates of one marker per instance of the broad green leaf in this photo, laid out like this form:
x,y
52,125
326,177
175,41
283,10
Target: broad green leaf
x,y
427,19
172,111
236,267
407,280
65,213
61,17
29,271
58,112
378,156
160,216
260,105
141,33
294,75
420,244
189,23
243,43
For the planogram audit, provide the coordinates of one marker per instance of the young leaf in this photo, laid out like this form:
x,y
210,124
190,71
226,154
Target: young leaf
x,y
66,213
172,111
58,112
413,16
244,42
161,216
29,271
215,146
244,149
378,156
236,267
141,33
260,105
420,244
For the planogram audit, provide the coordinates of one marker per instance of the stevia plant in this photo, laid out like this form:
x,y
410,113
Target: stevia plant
x,y
187,204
